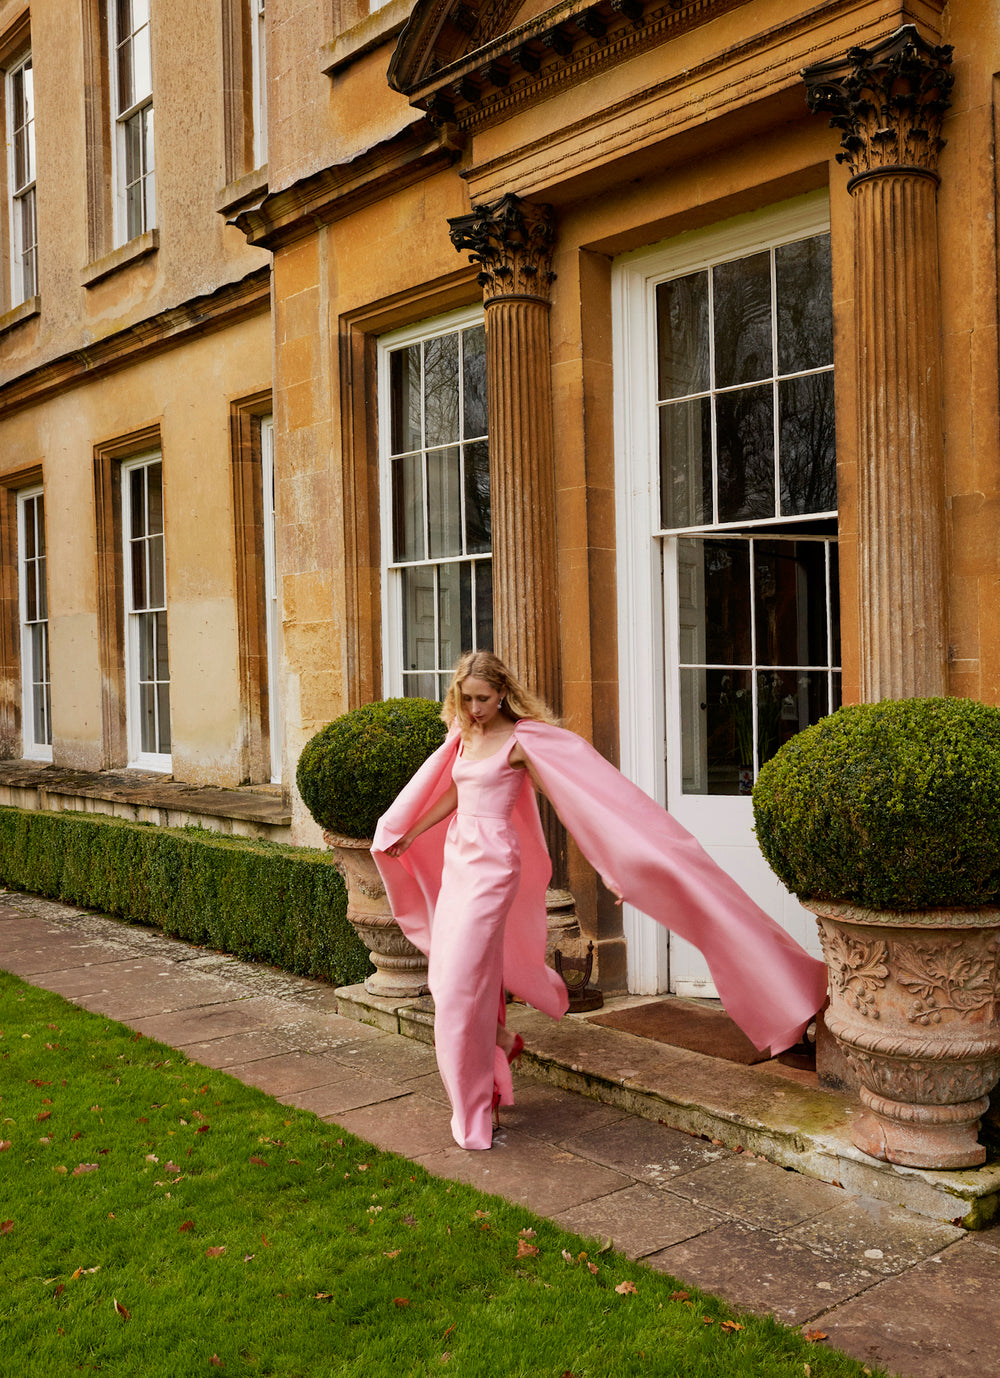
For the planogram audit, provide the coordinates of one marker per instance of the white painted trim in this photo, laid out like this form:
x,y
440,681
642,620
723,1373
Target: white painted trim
x,y
138,759
30,749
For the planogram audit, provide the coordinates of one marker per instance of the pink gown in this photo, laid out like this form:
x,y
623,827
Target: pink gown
x,y
471,899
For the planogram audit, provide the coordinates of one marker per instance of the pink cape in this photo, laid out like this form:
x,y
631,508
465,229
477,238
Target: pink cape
x,y
769,985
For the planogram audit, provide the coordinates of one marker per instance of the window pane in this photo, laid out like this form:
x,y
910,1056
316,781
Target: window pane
x,y
484,605
742,320
745,440
142,76
445,504
32,525
807,444
161,663
682,336
419,648
451,643
133,149
137,556
790,602
421,687
726,574
38,525
474,382
163,714
154,555
804,294
407,508
834,551
686,463
477,498
146,626
154,499
467,574
441,390
148,737
43,592
404,383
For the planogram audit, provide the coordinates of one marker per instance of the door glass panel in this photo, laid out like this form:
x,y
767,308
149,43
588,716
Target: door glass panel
x,y
790,602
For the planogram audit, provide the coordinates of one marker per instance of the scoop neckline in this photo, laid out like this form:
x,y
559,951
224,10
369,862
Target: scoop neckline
x,y
481,760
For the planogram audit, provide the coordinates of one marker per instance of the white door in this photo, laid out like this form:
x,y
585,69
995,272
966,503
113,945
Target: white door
x,y
726,535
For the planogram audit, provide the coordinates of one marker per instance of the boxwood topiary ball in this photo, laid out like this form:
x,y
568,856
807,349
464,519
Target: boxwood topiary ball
x,y
892,805
352,769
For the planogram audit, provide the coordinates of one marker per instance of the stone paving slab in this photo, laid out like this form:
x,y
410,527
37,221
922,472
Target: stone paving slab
x,y
912,1293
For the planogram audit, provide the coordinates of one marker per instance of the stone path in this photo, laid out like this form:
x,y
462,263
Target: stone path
x,y
914,1294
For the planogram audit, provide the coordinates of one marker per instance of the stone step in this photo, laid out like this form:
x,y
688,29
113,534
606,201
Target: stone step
x,y
779,1113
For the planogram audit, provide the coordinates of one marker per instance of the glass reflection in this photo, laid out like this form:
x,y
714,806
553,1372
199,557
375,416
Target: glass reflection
x,y
686,463
745,447
790,602
441,390
478,535
682,336
742,320
804,290
444,503
474,382
807,445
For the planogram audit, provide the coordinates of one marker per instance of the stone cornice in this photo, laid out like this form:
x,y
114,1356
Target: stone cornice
x,y
200,315
888,101
326,196
481,82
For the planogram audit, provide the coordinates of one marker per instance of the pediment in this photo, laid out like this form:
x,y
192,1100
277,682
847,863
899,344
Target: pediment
x,y
464,61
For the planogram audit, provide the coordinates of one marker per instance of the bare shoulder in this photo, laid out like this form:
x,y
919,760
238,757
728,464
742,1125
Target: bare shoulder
x,y
517,758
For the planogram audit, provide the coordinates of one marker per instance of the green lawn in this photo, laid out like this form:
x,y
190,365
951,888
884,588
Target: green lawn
x,y
161,1219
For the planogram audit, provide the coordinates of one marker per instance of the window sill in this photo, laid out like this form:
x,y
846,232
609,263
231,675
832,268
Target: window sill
x,y
246,190
17,314
371,33
143,245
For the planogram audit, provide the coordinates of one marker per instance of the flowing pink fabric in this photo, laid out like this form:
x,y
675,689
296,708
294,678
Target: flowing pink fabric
x,y
768,984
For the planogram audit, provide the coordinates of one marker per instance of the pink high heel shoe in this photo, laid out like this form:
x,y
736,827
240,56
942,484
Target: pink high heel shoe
x,y
516,1049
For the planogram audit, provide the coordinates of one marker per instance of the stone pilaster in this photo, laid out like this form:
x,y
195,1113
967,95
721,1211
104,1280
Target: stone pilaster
x,y
889,101
512,241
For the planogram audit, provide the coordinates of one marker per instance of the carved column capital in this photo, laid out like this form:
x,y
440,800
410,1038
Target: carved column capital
x,y
513,241
888,101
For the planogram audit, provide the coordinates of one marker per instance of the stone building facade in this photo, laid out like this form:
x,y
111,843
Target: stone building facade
x,y
654,344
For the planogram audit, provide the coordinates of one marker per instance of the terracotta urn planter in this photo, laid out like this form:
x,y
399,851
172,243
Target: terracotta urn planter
x,y
400,968
913,1006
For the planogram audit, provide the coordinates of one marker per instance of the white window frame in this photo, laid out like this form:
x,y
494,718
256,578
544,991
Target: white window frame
x,y
642,714
22,195
272,615
139,759
34,747
141,109
392,599
258,78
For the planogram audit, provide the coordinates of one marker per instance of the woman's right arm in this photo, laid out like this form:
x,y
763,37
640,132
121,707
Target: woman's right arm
x,y
441,808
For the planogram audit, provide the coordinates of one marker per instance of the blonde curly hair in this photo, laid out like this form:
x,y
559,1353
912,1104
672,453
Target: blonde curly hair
x,y
518,702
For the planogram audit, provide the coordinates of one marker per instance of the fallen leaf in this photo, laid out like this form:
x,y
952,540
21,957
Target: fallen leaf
x,y
400,1301
125,1315
325,1296
813,1335
679,1296
265,1241
59,1290
390,1253
78,1135
6,1226
482,1215
567,1256
593,1268
249,1258
258,1162
202,1129
219,1363
171,1167
527,1234
83,1168
730,1325
215,1251
44,1115
708,1320
4,1145
61,1170
526,1250
625,1287
362,1167
184,1226
80,1272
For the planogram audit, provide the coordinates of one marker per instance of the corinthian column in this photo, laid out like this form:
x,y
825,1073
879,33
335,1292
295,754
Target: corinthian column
x,y
888,101
512,242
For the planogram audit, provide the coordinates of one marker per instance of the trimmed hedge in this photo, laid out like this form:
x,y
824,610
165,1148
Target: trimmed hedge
x,y
259,900
892,805
352,769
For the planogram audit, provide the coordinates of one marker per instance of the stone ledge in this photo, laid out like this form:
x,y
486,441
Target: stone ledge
x,y
253,810
775,1112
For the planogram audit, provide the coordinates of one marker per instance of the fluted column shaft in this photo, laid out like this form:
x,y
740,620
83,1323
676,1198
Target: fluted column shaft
x,y
901,443
889,102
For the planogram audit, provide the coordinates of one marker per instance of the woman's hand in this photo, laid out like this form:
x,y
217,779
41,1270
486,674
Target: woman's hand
x,y
398,848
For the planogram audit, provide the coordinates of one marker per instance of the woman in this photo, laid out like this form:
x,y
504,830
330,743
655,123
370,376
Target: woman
x,y
472,894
